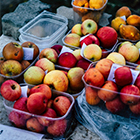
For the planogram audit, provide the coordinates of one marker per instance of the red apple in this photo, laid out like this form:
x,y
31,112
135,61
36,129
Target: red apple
x,y
137,82
104,53
58,128
50,103
57,48
83,63
135,108
115,105
42,88
107,36
10,90
123,76
37,103
61,104
49,113
67,59
89,39
130,94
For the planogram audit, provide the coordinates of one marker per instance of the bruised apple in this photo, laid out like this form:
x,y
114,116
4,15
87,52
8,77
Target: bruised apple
x,y
91,96
13,51
25,64
67,59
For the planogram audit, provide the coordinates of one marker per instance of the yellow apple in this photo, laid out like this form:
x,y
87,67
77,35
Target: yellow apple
x,y
125,42
77,54
138,44
77,29
117,58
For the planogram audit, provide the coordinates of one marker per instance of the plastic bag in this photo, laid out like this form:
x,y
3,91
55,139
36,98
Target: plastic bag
x,y
123,126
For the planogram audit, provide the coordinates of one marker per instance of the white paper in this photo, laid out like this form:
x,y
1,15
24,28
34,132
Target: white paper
x,y
123,17
111,76
13,133
24,90
82,49
28,53
84,37
65,49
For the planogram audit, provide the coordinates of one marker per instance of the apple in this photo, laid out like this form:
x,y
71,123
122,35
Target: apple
x,y
105,53
29,44
92,52
57,48
13,51
107,36
77,29
138,44
125,42
10,90
1,61
57,80
92,96
138,61
49,113
137,67
108,91
130,94
25,64
77,54
50,103
67,59
75,78
45,64
61,105
83,63
135,108
137,81
11,68
104,65
33,124
115,105
34,75
42,88
130,52
123,76
94,77
50,54
37,103
89,26
72,39
117,58
89,39
58,128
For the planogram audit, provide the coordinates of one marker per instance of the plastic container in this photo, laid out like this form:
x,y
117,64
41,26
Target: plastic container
x,y
82,13
67,118
44,30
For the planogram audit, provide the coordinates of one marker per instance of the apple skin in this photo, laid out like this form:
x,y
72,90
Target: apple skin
x,y
90,39
83,63
115,106
107,36
138,44
34,75
67,59
57,48
72,39
108,91
130,52
135,108
10,90
123,76
77,29
94,77
50,103
58,128
33,124
49,113
130,94
25,64
61,105
36,106
11,68
57,79
50,54
137,82
92,52
89,26
13,51
45,64
75,78
125,42
42,88
92,96
29,44
104,53
77,54
104,65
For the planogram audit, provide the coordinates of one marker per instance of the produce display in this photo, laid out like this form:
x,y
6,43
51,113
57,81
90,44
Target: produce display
x,y
115,85
39,109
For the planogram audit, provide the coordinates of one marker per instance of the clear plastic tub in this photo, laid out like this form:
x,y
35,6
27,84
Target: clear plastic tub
x,y
82,13
67,118
44,30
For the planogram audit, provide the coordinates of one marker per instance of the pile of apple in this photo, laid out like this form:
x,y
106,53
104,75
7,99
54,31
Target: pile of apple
x,y
99,41
39,109
113,84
